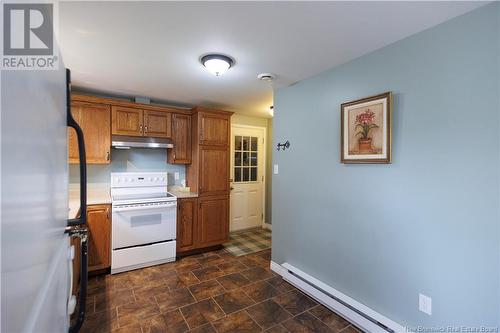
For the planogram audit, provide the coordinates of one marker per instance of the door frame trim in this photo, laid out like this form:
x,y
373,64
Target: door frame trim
x,y
264,129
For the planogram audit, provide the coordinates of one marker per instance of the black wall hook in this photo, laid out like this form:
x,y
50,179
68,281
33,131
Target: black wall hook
x,y
283,146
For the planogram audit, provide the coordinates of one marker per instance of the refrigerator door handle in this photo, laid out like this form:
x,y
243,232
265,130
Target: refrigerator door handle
x,y
71,122
77,226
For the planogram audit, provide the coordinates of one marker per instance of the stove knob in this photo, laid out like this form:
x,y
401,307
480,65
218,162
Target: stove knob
x,y
156,179
150,179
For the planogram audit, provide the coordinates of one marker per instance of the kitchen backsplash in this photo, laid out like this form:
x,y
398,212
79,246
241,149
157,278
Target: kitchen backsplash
x,y
130,160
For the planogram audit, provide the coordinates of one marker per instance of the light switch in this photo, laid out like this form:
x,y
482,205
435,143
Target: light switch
x,y
275,169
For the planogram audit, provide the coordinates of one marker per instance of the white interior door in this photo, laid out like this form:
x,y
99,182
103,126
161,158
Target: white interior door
x,y
247,174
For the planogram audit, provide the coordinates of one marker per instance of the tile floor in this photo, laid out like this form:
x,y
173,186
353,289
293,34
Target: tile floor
x,y
214,292
248,241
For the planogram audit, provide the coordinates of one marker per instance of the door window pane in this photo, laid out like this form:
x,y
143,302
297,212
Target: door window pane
x,y
246,143
253,174
254,143
237,159
237,143
246,159
246,174
253,159
237,174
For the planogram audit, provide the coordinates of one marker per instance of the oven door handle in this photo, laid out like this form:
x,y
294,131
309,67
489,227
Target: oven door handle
x,y
142,208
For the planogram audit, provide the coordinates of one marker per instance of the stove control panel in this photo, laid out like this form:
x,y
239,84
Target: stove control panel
x,y
138,179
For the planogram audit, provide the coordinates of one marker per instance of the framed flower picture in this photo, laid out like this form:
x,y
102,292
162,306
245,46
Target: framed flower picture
x,y
366,130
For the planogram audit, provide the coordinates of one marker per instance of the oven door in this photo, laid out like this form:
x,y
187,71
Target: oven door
x,y
141,224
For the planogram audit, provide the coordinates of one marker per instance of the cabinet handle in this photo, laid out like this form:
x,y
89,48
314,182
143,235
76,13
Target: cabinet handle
x,y
140,128
107,156
145,129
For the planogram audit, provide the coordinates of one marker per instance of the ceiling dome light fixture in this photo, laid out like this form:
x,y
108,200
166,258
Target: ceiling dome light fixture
x,y
217,63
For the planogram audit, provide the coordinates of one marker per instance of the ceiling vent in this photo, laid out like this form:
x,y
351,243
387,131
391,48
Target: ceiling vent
x,y
142,100
268,77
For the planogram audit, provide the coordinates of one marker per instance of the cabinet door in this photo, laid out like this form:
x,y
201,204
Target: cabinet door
x,y
94,119
214,129
126,121
75,241
99,225
213,221
186,219
157,124
214,171
181,135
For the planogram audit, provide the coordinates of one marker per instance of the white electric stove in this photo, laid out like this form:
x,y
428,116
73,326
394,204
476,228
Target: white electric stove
x,y
144,220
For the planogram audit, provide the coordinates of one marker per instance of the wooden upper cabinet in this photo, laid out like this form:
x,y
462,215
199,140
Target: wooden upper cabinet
x,y
157,124
181,137
186,221
214,171
127,121
213,221
99,225
94,120
214,129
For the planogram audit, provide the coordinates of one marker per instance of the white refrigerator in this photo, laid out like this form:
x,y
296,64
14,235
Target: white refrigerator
x,y
36,264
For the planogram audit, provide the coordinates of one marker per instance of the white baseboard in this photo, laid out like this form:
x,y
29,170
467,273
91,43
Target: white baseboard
x,y
345,306
267,226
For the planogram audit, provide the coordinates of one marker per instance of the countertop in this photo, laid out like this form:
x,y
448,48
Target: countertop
x,y
181,194
97,194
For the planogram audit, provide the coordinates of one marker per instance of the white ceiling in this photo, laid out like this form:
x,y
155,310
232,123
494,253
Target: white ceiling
x,y
152,48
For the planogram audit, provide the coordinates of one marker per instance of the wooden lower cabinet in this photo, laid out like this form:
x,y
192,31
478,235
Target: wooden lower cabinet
x,y
76,242
187,212
99,225
213,220
202,222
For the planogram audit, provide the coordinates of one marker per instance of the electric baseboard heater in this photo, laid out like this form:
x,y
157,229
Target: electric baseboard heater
x,y
360,315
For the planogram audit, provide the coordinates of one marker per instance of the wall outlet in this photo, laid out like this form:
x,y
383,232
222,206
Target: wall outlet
x,y
425,304
275,170
177,175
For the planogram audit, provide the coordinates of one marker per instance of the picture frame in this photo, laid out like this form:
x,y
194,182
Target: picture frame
x,y
366,130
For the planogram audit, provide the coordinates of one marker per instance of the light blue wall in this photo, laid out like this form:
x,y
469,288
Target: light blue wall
x,y
429,222
130,160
